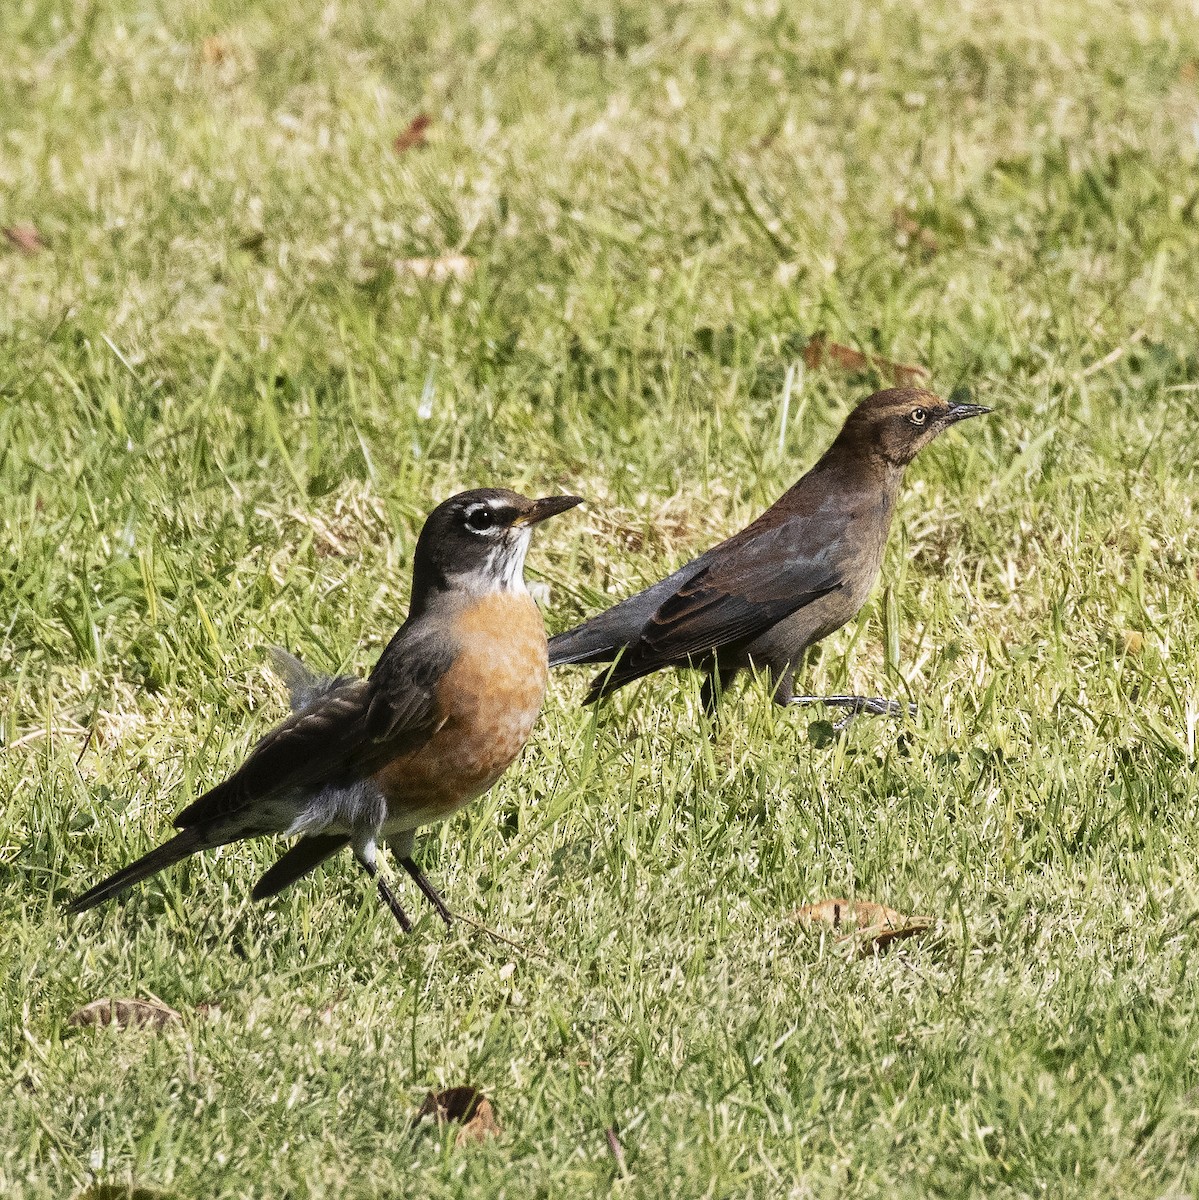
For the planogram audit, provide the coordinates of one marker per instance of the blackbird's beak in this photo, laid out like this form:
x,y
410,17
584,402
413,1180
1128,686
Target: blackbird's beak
x,y
546,507
962,412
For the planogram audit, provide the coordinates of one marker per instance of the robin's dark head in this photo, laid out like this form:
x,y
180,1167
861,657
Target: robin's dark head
x,y
898,423
477,541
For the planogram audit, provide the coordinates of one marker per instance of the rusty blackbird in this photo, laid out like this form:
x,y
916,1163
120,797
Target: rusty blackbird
x,y
800,571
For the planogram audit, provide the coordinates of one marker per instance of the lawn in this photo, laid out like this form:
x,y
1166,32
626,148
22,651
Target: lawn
x,y
249,340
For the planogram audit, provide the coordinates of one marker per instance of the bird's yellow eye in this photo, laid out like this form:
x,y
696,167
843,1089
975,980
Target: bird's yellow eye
x,y
918,416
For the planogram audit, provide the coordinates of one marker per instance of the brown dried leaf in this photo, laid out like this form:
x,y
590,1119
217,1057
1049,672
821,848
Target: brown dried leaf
x,y
120,1191
873,926
124,1014
448,266
465,1105
214,50
1134,641
24,237
911,232
820,352
415,136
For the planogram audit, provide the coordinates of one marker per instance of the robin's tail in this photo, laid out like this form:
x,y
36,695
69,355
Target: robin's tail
x,y
306,855
180,846
304,686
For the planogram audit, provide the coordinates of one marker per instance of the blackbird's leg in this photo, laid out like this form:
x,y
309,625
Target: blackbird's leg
x,y
366,859
875,706
431,894
716,683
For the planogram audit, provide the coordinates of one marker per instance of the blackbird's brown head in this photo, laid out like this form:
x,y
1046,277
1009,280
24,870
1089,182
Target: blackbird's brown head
x,y
898,423
477,541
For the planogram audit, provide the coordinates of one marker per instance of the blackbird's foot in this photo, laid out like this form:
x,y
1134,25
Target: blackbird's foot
x,y
874,706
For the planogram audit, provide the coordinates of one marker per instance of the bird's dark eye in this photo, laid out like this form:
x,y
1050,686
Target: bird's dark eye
x,y
480,518
918,416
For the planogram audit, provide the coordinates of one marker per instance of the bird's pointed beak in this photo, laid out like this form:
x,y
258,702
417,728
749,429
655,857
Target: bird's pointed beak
x,y
546,507
963,412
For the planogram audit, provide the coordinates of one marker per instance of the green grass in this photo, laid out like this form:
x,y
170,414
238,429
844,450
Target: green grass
x,y
223,416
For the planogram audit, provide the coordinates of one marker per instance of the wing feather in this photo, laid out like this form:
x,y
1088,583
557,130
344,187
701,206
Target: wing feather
x,y
356,727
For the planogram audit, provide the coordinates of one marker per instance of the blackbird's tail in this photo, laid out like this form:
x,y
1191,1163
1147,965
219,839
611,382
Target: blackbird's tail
x,y
179,847
607,682
583,644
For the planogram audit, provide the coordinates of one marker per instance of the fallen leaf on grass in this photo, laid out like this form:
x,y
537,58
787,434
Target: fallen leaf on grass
x,y
449,266
120,1191
874,926
124,1014
465,1105
820,352
911,232
415,136
214,50
24,237
1134,641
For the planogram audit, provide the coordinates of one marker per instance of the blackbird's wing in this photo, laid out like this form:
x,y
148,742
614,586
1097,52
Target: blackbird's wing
x,y
356,727
754,581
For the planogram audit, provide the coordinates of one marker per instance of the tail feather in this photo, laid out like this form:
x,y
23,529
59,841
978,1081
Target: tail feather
x,y
609,681
304,686
306,855
581,645
612,631
179,847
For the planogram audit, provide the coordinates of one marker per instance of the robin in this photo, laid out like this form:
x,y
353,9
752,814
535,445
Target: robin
x,y
447,708
800,571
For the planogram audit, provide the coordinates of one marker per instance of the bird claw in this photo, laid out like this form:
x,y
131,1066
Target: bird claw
x,y
874,706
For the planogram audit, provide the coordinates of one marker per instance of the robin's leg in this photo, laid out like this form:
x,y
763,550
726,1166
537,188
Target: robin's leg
x,y
431,894
401,846
366,859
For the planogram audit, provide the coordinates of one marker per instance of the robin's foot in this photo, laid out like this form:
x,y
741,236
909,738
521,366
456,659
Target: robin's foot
x,y
874,706
431,894
387,895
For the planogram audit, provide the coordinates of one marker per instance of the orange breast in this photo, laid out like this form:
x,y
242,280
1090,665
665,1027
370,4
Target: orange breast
x,y
488,702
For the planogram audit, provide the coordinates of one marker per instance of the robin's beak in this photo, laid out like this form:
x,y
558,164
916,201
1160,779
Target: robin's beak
x,y
546,507
962,412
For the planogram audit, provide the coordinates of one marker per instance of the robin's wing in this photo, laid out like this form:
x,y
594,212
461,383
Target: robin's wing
x,y
348,733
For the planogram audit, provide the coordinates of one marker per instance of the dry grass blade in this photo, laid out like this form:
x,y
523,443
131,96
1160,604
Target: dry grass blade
x,y
125,1014
448,266
617,1152
820,352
